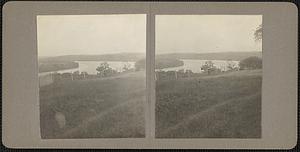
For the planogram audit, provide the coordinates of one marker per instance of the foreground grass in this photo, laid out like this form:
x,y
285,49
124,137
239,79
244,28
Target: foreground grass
x,y
110,108
220,106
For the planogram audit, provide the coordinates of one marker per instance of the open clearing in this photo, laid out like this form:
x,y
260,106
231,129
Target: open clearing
x,y
220,106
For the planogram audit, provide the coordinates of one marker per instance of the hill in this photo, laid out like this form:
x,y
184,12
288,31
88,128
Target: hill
x,y
237,56
160,63
162,60
103,57
137,56
173,59
221,106
97,108
47,66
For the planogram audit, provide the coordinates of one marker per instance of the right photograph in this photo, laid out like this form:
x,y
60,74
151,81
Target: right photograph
x,y
208,74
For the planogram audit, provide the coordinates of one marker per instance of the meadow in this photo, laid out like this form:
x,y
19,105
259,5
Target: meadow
x,y
220,106
111,107
209,106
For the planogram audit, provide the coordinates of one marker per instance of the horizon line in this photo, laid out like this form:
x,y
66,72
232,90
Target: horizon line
x,y
145,53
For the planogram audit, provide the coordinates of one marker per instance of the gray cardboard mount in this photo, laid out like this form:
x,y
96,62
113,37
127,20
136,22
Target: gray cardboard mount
x,y
20,104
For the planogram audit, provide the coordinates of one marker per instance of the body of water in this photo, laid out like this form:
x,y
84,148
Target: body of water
x,y
195,65
90,67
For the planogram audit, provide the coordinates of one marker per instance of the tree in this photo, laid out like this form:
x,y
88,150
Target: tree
x,y
231,66
181,71
76,73
104,69
251,63
208,67
84,74
126,67
258,33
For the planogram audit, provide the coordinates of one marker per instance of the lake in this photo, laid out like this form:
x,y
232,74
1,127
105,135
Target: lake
x,y
90,67
195,65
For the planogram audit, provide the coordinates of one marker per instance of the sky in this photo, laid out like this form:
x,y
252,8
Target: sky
x,y
106,34
90,34
206,33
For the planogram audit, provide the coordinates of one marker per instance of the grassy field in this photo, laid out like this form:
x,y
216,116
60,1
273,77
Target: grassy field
x,y
108,107
219,106
226,105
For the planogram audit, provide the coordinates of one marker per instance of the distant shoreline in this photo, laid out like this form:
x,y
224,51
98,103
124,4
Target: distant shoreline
x,y
48,64
138,54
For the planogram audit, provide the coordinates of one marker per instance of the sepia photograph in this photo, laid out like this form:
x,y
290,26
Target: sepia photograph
x,y
208,73
92,77
149,75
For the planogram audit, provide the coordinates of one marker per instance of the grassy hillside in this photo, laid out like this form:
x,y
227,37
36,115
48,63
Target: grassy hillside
x,y
227,105
109,107
237,56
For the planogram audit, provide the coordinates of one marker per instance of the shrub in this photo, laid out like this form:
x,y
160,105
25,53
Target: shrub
x,y
208,67
251,63
105,70
231,66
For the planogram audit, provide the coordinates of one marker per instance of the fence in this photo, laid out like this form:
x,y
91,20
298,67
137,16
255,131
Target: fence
x,y
56,77
45,80
173,75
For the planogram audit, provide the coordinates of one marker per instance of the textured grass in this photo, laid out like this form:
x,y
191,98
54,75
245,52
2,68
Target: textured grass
x,y
108,108
220,106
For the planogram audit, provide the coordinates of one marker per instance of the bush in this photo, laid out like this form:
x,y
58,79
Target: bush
x,y
105,70
231,66
251,63
209,67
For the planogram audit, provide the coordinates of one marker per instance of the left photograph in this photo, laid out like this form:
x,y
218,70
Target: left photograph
x,y
92,77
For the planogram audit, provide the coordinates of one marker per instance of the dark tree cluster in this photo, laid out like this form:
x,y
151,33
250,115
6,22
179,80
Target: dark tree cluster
x,y
251,63
105,70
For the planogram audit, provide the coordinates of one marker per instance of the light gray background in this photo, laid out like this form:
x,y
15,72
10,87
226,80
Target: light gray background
x,y
20,106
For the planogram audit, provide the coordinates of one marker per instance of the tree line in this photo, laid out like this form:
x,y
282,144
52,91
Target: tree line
x,y
249,63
